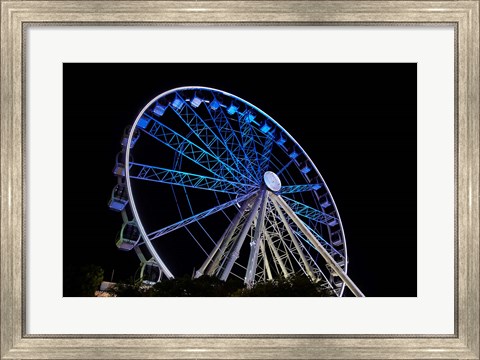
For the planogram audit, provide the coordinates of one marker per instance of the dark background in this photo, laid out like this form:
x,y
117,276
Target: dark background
x,y
357,122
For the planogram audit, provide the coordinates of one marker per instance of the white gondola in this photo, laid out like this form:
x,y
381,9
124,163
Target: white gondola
x,y
337,238
119,168
126,134
338,256
325,201
150,273
128,237
197,100
333,220
119,198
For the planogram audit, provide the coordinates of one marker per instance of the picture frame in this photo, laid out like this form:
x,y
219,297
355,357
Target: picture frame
x,y
17,344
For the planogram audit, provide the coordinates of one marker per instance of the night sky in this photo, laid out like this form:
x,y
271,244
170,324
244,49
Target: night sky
x,y
357,122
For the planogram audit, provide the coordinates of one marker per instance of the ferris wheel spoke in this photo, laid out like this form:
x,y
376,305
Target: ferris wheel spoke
x,y
266,262
248,141
235,250
314,266
230,137
205,134
272,238
187,148
180,224
332,250
255,242
281,243
310,213
266,154
318,246
290,189
180,178
280,260
236,138
307,266
291,161
316,269
213,260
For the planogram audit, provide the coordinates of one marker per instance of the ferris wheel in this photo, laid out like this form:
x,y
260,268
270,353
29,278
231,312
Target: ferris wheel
x,y
216,182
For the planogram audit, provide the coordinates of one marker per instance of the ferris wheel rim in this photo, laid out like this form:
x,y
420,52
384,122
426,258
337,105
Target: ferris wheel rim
x,y
230,95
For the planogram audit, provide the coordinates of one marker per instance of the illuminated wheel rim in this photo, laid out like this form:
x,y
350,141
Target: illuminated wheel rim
x,y
245,193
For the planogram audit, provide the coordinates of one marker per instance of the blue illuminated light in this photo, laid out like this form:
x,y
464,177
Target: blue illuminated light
x,y
177,103
215,104
281,140
265,127
159,110
232,109
196,101
116,205
306,169
293,154
143,122
168,176
249,116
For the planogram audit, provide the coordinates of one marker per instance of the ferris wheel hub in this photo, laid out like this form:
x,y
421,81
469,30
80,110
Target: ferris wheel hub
x,y
272,181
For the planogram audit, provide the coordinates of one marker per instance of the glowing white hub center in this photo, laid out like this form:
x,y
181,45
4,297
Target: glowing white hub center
x,y
272,181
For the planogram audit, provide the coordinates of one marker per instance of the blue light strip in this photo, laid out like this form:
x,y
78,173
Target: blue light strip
x,y
290,189
174,177
309,212
320,239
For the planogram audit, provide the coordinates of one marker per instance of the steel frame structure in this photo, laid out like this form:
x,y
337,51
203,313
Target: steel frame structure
x,y
276,211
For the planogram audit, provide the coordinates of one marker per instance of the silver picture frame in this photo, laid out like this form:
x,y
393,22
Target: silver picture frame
x,y
16,16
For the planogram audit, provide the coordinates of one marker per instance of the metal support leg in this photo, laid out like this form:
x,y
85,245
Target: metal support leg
x,y
350,284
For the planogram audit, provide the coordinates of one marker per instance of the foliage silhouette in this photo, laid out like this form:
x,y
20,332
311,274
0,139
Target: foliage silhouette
x,y
211,286
82,280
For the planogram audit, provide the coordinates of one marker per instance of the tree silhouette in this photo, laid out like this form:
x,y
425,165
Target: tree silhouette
x,y
211,286
294,286
82,280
